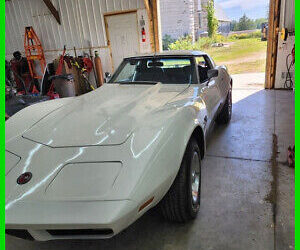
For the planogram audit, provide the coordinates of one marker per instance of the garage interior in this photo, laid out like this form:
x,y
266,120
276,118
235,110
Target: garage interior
x,y
248,188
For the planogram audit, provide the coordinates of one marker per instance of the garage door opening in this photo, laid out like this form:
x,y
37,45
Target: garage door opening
x,y
245,42
236,40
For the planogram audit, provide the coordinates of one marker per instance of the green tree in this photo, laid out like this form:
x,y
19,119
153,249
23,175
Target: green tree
x,y
212,21
167,40
259,21
233,25
183,43
245,23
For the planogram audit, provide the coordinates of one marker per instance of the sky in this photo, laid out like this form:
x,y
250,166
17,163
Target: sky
x,y
235,9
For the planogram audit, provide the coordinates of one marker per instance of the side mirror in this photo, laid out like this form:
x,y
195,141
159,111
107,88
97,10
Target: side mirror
x,y
107,76
212,73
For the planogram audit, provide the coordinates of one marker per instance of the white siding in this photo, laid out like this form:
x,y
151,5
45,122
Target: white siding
x,y
82,25
287,15
176,17
284,48
290,15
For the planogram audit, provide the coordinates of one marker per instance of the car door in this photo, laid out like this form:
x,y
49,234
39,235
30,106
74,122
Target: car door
x,y
222,81
209,90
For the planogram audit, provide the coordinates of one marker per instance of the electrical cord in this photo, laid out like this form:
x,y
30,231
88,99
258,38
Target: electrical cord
x,y
288,84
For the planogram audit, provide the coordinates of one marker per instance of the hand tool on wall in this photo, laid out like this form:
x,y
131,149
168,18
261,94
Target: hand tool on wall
x,y
82,72
75,53
61,62
91,57
58,71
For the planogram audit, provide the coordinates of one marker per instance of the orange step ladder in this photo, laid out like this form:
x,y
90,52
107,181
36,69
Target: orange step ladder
x,y
34,51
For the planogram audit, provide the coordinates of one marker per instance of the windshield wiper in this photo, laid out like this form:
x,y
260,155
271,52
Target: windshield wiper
x,y
139,82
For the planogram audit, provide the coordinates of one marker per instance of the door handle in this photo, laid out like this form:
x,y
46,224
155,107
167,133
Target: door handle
x,y
205,119
210,83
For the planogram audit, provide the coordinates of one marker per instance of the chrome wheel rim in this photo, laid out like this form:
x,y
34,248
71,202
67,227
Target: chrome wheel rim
x,y
195,177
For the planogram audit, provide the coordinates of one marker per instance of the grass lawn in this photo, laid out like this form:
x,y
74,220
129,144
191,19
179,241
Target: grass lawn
x,y
241,56
248,67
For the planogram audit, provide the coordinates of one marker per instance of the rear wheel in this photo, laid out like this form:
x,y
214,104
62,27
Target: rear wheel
x,y
225,114
182,202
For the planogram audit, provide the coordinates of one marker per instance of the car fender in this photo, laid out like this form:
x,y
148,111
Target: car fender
x,y
164,162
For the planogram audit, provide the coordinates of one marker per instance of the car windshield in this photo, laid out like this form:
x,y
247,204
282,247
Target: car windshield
x,y
152,70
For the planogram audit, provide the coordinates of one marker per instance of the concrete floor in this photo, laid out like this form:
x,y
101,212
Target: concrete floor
x,y
236,180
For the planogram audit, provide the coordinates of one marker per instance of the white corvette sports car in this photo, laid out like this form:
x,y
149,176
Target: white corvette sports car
x,y
89,166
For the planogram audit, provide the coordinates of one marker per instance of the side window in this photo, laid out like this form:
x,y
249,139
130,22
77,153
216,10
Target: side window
x,y
210,61
203,65
127,73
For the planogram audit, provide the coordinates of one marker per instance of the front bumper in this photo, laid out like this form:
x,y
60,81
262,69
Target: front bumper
x,y
49,220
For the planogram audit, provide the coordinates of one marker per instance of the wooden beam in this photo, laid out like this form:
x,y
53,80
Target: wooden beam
x,y
269,45
275,42
155,25
150,18
274,15
113,13
151,8
53,10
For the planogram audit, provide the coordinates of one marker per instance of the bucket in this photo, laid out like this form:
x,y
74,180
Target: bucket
x,y
64,85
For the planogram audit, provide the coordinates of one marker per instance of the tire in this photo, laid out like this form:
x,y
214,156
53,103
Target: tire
x,y
182,201
226,112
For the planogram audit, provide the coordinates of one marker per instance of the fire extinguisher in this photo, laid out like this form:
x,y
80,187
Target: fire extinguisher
x,y
143,35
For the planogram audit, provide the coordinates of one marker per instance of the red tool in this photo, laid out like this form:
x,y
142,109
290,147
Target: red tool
x,y
87,64
61,63
34,51
58,71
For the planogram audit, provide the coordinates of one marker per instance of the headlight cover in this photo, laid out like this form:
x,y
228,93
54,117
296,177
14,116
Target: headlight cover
x,y
84,181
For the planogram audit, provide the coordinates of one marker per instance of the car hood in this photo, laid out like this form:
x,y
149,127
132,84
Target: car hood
x,y
106,116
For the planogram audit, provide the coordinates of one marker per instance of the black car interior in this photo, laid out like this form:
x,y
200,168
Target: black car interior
x,y
167,71
203,73
153,72
203,67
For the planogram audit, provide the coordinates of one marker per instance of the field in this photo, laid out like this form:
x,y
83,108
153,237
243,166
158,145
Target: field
x,y
241,56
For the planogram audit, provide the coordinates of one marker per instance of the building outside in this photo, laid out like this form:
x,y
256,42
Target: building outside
x,y
224,21
177,17
189,17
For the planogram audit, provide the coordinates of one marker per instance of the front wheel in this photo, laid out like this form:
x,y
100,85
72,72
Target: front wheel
x,y
182,202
